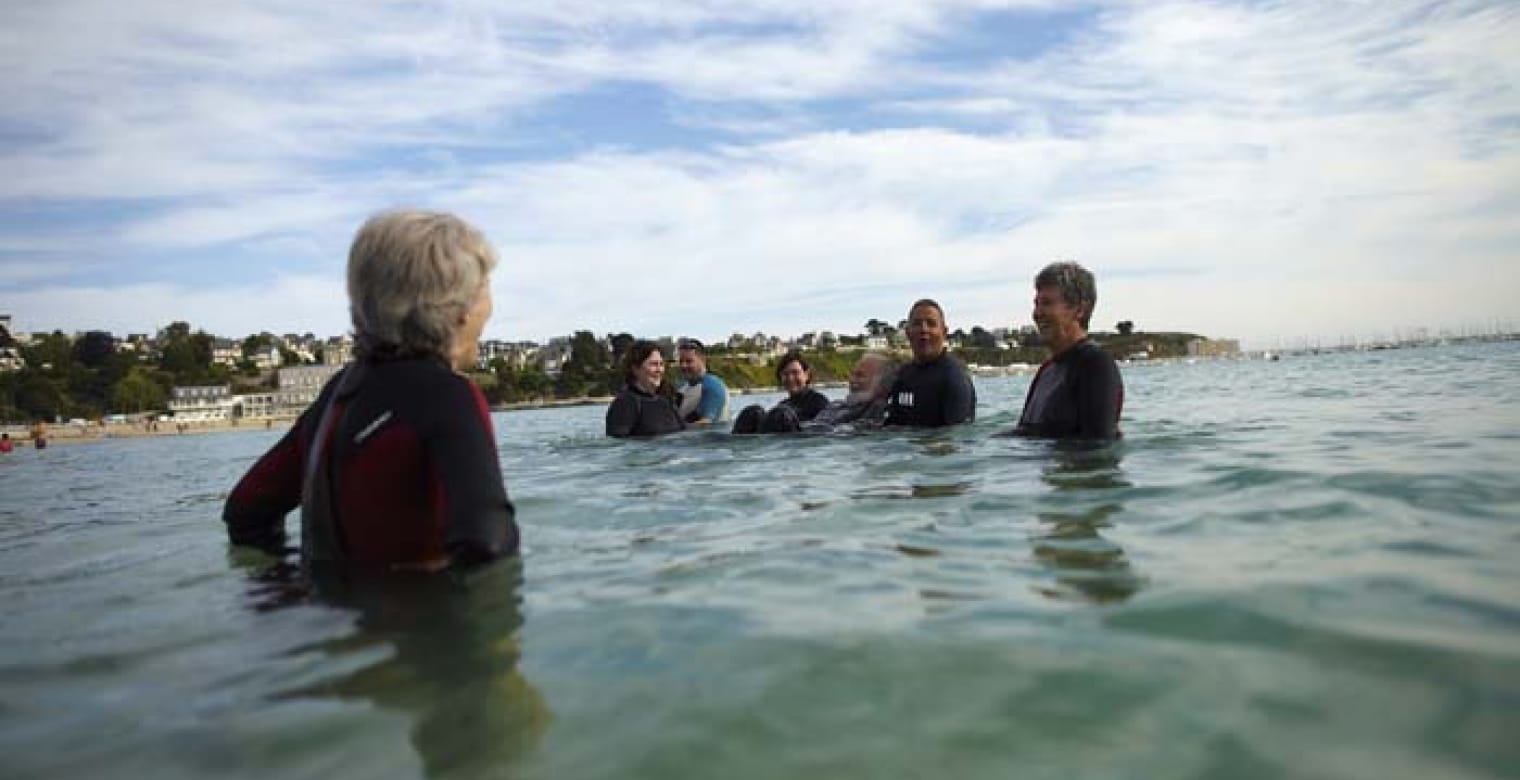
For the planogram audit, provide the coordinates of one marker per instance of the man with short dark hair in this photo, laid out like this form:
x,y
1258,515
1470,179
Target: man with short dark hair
x,y
933,390
704,398
1077,393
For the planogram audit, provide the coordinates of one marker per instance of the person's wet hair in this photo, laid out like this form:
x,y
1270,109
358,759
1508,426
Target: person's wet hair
x,y
790,358
411,276
638,352
1075,283
928,302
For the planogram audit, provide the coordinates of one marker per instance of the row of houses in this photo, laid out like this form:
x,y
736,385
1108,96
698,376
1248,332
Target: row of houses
x,y
273,351
296,388
552,356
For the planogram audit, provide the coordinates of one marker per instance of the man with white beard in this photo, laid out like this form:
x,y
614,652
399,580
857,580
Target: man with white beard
x,y
866,403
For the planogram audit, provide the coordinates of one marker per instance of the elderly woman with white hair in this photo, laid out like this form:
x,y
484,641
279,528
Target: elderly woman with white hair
x,y
395,465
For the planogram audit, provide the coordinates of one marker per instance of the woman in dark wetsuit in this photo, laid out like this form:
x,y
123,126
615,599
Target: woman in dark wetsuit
x,y
801,404
644,405
395,466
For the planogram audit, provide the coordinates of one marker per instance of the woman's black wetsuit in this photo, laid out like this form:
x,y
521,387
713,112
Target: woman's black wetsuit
x,y
807,402
785,417
636,413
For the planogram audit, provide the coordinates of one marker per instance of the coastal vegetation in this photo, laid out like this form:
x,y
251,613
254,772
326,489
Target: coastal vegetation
x,y
93,374
90,375
591,371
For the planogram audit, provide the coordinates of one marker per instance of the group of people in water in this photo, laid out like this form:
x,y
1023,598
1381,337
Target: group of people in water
x,y
394,467
1076,394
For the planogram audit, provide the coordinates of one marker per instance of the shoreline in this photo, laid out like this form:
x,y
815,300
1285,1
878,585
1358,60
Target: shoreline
x,y
94,433
21,435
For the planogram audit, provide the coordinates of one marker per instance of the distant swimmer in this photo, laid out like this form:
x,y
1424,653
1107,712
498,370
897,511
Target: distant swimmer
x,y
934,390
39,435
704,397
395,466
802,402
6,445
1077,393
644,405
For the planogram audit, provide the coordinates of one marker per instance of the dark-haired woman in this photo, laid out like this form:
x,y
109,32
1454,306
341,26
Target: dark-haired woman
x,y
644,405
802,402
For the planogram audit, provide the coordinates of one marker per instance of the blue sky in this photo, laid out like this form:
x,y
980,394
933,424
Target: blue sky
x,y
1271,171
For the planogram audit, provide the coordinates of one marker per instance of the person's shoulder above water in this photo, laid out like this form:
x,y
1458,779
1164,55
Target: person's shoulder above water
x,y
1078,393
705,396
933,390
395,467
713,406
1089,357
932,394
642,406
635,413
807,403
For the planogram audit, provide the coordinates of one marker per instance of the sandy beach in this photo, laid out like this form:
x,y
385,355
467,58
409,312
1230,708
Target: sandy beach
x,y
98,432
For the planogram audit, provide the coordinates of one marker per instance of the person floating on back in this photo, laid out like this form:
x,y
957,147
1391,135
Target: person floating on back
x,y
934,389
1077,393
704,397
395,465
644,405
864,406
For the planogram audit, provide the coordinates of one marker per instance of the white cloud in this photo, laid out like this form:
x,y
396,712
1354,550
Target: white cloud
x,y
283,304
1256,161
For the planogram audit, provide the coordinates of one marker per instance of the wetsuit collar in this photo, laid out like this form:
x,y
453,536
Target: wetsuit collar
x,y
1063,354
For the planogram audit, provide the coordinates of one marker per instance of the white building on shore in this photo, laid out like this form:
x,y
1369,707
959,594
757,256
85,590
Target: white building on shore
x,y
201,403
216,403
299,386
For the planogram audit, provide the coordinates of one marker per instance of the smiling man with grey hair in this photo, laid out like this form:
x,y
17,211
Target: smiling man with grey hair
x,y
1077,393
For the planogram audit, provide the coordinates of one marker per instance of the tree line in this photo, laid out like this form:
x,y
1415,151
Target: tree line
x,y
89,377
592,368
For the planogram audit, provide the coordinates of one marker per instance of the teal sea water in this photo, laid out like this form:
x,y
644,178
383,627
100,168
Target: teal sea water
x,y
1305,568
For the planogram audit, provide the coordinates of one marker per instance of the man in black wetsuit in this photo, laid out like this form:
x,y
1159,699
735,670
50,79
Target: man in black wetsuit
x,y
933,390
1077,393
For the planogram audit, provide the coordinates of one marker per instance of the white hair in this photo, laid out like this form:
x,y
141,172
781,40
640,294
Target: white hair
x,y
412,275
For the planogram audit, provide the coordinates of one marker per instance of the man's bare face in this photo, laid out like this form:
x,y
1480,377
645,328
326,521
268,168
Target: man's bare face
x,y
865,374
926,332
692,365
